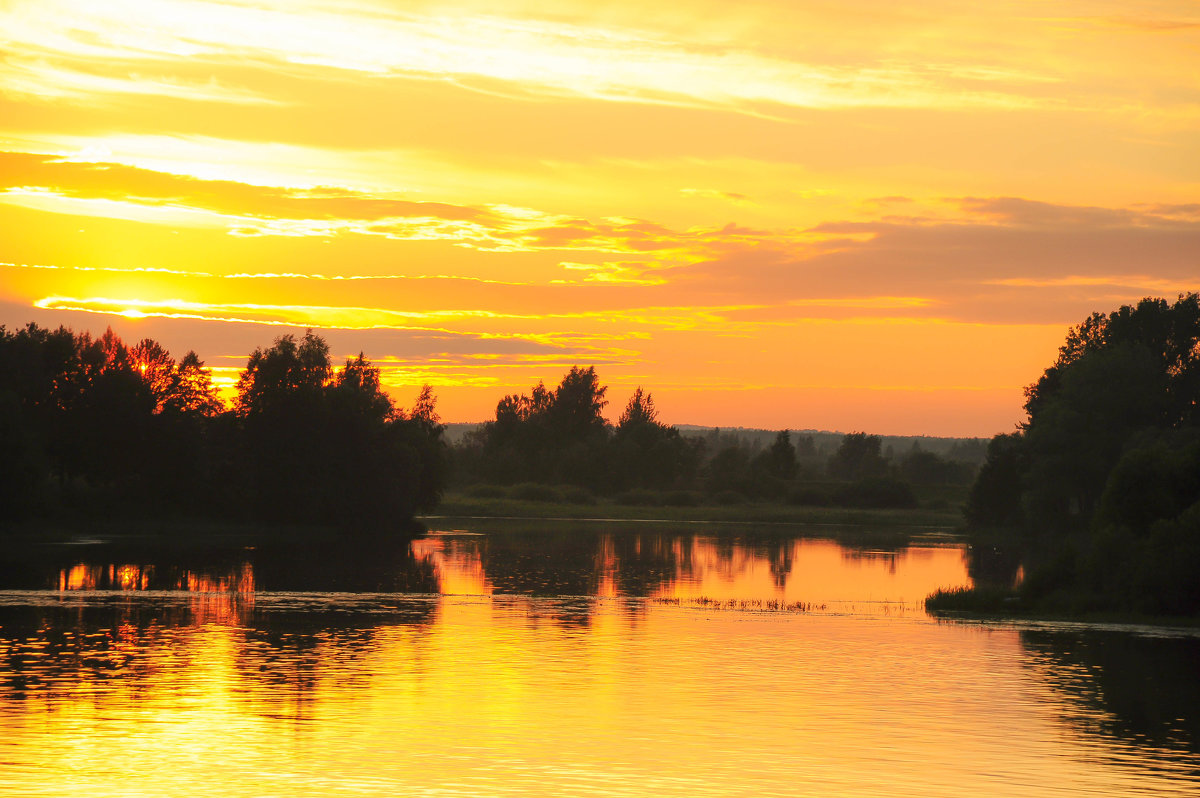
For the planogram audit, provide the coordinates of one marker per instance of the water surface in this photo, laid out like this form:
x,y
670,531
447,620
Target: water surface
x,y
564,659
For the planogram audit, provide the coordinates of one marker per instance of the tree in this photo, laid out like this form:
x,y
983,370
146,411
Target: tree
x,y
128,430
578,402
995,497
551,436
157,369
1166,333
356,391
647,453
330,445
1129,375
192,390
858,457
284,373
425,409
638,412
780,459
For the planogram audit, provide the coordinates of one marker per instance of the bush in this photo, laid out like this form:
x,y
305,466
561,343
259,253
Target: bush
x,y
486,492
577,495
535,492
682,498
728,497
640,497
809,496
876,493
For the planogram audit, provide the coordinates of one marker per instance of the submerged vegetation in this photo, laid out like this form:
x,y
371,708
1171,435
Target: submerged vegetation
x,y
1098,493
93,428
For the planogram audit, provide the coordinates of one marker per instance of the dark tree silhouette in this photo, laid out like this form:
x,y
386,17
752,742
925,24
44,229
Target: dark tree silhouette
x,y
88,424
330,446
647,453
858,457
1108,466
995,497
1117,379
780,459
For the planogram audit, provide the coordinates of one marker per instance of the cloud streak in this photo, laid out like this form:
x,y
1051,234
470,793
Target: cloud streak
x,y
535,57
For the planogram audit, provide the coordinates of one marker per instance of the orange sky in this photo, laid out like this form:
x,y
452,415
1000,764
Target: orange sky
x,y
851,215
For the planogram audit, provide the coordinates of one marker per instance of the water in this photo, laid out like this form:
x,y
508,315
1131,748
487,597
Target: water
x,y
556,659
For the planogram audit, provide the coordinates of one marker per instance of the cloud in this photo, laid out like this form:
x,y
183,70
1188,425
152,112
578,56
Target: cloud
x,y
1148,24
405,355
40,80
1015,261
1018,211
711,193
550,56
117,182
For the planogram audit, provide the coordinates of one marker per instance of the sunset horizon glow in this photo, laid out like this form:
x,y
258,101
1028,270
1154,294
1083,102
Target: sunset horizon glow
x,y
850,216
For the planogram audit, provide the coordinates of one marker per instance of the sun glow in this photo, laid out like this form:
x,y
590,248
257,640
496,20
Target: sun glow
x,y
755,201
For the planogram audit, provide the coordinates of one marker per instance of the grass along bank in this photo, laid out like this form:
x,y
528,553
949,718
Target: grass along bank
x,y
577,505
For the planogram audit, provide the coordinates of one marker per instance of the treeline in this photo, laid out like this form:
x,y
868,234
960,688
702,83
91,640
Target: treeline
x,y
1102,482
96,428
556,445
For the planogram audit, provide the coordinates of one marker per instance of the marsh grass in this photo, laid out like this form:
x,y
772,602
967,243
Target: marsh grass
x,y
751,605
974,600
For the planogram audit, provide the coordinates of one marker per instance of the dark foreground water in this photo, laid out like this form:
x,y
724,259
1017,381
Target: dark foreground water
x,y
544,658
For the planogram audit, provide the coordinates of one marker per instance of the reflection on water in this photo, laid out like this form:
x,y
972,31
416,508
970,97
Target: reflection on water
x,y
703,568
581,660
1145,689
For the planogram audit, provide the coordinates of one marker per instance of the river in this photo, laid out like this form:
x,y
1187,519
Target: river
x,y
548,658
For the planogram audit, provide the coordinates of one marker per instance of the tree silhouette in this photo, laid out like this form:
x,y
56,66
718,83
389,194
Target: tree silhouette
x,y
858,457
1110,459
780,459
89,425
192,390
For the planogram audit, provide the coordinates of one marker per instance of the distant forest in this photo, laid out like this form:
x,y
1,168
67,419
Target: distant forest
x,y
555,445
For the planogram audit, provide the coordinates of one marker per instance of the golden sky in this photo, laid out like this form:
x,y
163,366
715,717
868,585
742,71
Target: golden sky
x,y
832,215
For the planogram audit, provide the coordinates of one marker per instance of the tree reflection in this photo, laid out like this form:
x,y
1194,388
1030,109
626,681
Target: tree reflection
x,y
738,567
1136,688
138,616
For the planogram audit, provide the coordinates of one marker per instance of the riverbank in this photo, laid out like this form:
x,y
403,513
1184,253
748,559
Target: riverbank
x,y
67,529
989,604
458,505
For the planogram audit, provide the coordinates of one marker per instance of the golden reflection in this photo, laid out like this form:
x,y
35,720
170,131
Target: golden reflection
x,y
702,570
78,577
459,571
812,572
222,599
482,698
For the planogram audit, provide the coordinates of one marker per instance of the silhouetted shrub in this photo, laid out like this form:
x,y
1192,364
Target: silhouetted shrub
x,y
578,495
809,496
681,498
640,497
486,491
535,492
876,493
729,497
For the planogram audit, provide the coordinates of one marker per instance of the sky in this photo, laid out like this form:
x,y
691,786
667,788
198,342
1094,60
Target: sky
x,y
807,215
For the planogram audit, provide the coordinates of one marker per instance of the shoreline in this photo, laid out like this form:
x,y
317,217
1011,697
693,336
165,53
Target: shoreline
x,y
460,506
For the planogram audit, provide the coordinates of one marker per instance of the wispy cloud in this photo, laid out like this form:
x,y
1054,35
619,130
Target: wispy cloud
x,y
44,81
534,56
